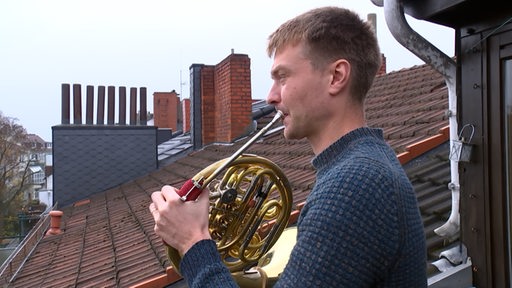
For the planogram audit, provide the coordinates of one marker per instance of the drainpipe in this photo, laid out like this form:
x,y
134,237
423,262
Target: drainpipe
x,y
410,39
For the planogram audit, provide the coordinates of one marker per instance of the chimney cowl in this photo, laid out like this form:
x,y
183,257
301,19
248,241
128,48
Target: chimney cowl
x,y
55,220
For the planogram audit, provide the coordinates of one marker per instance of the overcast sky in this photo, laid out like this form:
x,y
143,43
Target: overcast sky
x,y
44,43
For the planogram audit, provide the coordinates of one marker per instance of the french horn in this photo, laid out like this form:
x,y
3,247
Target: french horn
x,y
250,204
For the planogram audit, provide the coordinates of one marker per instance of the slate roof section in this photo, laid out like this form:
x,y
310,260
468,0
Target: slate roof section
x,y
108,240
173,148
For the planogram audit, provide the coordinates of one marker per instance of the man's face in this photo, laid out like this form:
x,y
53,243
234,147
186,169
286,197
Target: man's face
x,y
298,91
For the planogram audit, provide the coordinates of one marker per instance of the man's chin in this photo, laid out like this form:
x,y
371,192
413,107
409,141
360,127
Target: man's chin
x,y
289,135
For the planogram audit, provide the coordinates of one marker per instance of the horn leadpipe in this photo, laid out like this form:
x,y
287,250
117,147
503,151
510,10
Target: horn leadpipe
x,y
192,188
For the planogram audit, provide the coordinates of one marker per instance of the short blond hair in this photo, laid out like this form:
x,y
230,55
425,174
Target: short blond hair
x,y
329,34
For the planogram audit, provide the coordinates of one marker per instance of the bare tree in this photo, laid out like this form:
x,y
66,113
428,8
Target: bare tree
x,y
14,167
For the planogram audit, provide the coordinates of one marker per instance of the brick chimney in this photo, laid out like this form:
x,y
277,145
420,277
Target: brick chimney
x,y
185,106
221,95
207,97
165,105
233,97
372,21
382,70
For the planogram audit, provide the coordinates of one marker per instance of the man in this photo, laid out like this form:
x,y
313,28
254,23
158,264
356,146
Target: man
x,y
360,226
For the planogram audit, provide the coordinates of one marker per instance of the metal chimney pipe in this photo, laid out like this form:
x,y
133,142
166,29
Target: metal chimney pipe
x,y
372,19
65,91
133,106
111,90
100,114
143,106
89,105
122,105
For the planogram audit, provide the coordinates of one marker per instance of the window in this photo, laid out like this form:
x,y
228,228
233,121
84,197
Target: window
x,y
37,176
507,97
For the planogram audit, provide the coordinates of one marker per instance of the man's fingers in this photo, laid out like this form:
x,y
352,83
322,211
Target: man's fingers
x,y
169,193
153,210
159,200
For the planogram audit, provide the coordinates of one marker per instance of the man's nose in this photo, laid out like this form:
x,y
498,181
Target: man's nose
x,y
274,95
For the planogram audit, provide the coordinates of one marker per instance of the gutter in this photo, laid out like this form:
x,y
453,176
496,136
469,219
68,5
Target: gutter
x,y
410,39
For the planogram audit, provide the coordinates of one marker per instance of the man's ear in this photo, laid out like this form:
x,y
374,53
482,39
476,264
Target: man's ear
x,y
340,74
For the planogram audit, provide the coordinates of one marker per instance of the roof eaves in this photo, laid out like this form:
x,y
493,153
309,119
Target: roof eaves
x,y
418,148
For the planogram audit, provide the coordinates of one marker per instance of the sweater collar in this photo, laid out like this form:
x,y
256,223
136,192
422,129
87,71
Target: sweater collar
x,y
325,157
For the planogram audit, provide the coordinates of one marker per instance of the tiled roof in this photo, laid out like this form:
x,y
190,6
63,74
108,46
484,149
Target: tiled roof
x,y
33,138
430,175
108,239
409,105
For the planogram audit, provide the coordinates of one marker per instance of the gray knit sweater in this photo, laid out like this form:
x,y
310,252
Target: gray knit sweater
x,y
360,226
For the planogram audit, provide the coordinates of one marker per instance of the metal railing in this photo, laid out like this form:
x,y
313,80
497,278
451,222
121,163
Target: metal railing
x,y
15,261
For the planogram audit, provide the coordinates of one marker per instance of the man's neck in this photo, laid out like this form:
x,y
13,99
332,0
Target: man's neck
x,y
342,123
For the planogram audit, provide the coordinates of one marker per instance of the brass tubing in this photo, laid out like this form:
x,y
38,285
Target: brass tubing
x,y
216,173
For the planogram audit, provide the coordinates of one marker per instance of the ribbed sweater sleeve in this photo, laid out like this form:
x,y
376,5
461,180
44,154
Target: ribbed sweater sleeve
x,y
202,267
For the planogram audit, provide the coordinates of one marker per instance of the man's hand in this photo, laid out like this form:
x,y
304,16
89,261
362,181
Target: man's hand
x,y
180,224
